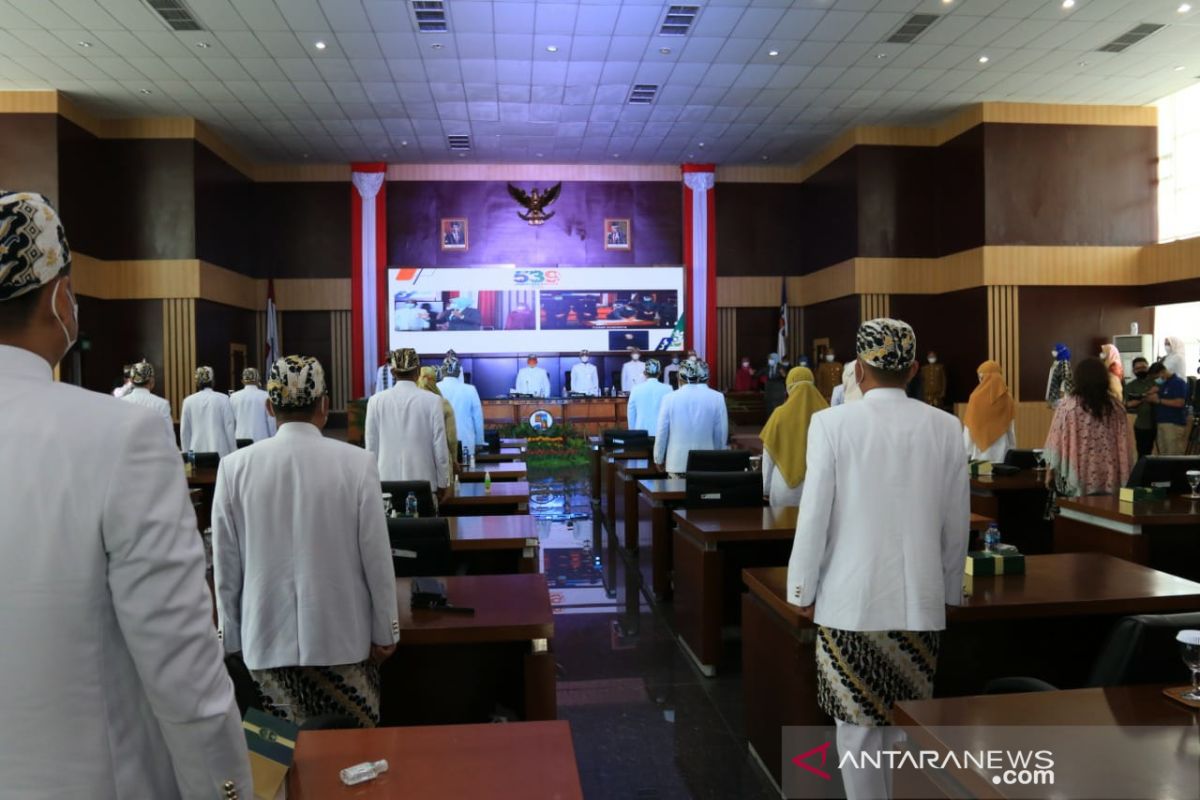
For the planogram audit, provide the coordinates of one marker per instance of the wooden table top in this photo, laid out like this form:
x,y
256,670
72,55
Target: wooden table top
x,y
1026,480
663,488
516,761
502,491
627,455
1153,761
738,524
505,470
1174,510
505,454
637,468
201,477
508,608
1056,585
505,531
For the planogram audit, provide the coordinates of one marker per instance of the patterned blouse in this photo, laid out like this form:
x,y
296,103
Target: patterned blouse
x,y
1088,455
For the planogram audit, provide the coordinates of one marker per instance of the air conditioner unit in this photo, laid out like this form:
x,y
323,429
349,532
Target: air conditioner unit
x,y
1132,346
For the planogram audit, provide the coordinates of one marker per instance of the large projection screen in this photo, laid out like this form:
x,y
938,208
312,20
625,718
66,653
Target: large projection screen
x,y
506,309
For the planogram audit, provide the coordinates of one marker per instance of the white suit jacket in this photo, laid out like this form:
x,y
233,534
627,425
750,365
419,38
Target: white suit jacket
x,y
534,381
882,535
633,373
206,424
300,548
251,420
407,433
468,411
141,396
644,402
113,681
693,417
584,379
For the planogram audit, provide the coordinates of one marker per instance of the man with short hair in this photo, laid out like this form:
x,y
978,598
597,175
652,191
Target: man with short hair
x,y
645,400
113,682
880,547
303,569
252,421
633,371
206,422
694,417
584,379
406,429
464,399
1144,428
141,377
1168,396
532,379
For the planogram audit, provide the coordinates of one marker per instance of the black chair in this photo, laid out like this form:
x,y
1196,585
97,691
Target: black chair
x,y
723,490
619,437
420,547
491,442
718,461
399,491
1140,649
205,460
1021,459
244,443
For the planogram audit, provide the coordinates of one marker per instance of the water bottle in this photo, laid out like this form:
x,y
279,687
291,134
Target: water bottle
x,y
991,538
471,460
361,773
410,506
487,482
191,461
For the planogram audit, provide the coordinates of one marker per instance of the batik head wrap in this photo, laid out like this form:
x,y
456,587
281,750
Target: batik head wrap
x,y
295,382
33,245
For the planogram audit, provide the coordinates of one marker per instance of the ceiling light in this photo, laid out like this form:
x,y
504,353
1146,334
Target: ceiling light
x,y
437,45
700,144
551,48
319,44
203,45
404,142
1068,4
616,155
947,2
764,158
84,44
691,155
881,55
772,53
984,59
539,155
1179,69
304,155
1084,63
145,91
1184,8
666,51
462,155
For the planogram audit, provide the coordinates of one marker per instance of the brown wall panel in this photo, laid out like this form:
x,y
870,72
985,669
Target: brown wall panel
x,y
152,210
1082,317
836,320
29,153
959,181
829,222
225,210
896,197
84,181
218,326
955,326
303,230
757,334
1164,294
759,228
118,332
307,333
1070,184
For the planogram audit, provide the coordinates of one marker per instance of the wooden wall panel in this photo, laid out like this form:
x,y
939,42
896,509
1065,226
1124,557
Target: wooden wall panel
x,y
1004,334
748,291
874,306
1032,423
724,364
836,320
30,154
954,325
339,381
752,238
179,351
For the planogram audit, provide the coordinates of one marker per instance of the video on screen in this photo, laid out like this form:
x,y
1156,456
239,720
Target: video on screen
x,y
464,311
602,310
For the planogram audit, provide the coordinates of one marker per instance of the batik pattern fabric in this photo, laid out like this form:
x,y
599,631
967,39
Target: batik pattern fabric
x,y
862,674
33,245
141,373
887,344
204,376
298,694
249,375
1089,455
404,360
295,382
1060,384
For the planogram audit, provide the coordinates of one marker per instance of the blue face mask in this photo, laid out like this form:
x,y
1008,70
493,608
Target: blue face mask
x,y
1160,381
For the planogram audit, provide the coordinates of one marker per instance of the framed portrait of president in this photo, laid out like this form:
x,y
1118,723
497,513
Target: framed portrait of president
x,y
453,233
617,234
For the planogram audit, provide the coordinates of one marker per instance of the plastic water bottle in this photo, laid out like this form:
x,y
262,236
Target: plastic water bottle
x,y
191,462
487,482
410,506
361,773
991,538
471,460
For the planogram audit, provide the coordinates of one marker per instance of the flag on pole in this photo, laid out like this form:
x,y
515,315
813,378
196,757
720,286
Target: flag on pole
x,y
271,345
781,345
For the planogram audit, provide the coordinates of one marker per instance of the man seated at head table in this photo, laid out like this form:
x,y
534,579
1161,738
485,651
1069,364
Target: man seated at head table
x,y
303,568
880,547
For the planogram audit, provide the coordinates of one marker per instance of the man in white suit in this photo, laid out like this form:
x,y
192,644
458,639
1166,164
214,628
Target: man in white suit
x,y
250,414
693,417
141,377
464,399
303,568
406,429
633,372
206,421
646,399
880,547
114,686
532,379
584,379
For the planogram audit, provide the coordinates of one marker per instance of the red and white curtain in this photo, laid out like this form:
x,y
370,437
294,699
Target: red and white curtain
x,y
700,258
368,334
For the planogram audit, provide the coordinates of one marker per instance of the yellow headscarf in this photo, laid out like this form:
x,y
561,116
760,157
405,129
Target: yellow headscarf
x,y
427,380
991,408
785,436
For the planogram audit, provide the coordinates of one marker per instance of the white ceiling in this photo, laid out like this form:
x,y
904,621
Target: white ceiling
x,y
381,90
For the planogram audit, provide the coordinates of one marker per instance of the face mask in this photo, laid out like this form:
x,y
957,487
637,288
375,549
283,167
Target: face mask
x,y
1167,347
58,319
583,359
675,359
1054,354
932,359
1140,373
636,357
1159,381
745,365
829,358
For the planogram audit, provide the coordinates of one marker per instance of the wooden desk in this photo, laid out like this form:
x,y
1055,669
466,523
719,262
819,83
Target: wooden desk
x,y
625,493
505,454
657,498
518,761
1018,504
1163,534
591,414
609,463
1050,623
712,546
505,471
202,477
471,500
1154,762
500,545
456,668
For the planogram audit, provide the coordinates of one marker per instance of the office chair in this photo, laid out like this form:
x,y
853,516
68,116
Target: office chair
x,y
420,547
244,443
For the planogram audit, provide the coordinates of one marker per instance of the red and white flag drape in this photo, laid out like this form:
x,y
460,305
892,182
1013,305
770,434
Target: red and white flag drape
x,y
700,258
368,282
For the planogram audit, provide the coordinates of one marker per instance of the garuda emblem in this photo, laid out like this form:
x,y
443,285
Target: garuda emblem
x,y
535,202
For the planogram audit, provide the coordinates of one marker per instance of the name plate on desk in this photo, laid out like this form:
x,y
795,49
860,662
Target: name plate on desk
x,y
981,563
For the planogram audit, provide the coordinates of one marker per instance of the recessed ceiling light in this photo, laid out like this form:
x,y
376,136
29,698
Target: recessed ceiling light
x,y
551,48
764,158
203,45
691,155
947,2
1179,69
319,44
437,45
84,44
1184,8
984,59
462,155
1084,63
404,142
666,51
1068,4
539,155
881,55
145,91
772,53
700,144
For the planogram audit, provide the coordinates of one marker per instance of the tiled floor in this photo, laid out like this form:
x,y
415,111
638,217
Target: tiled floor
x,y
647,724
